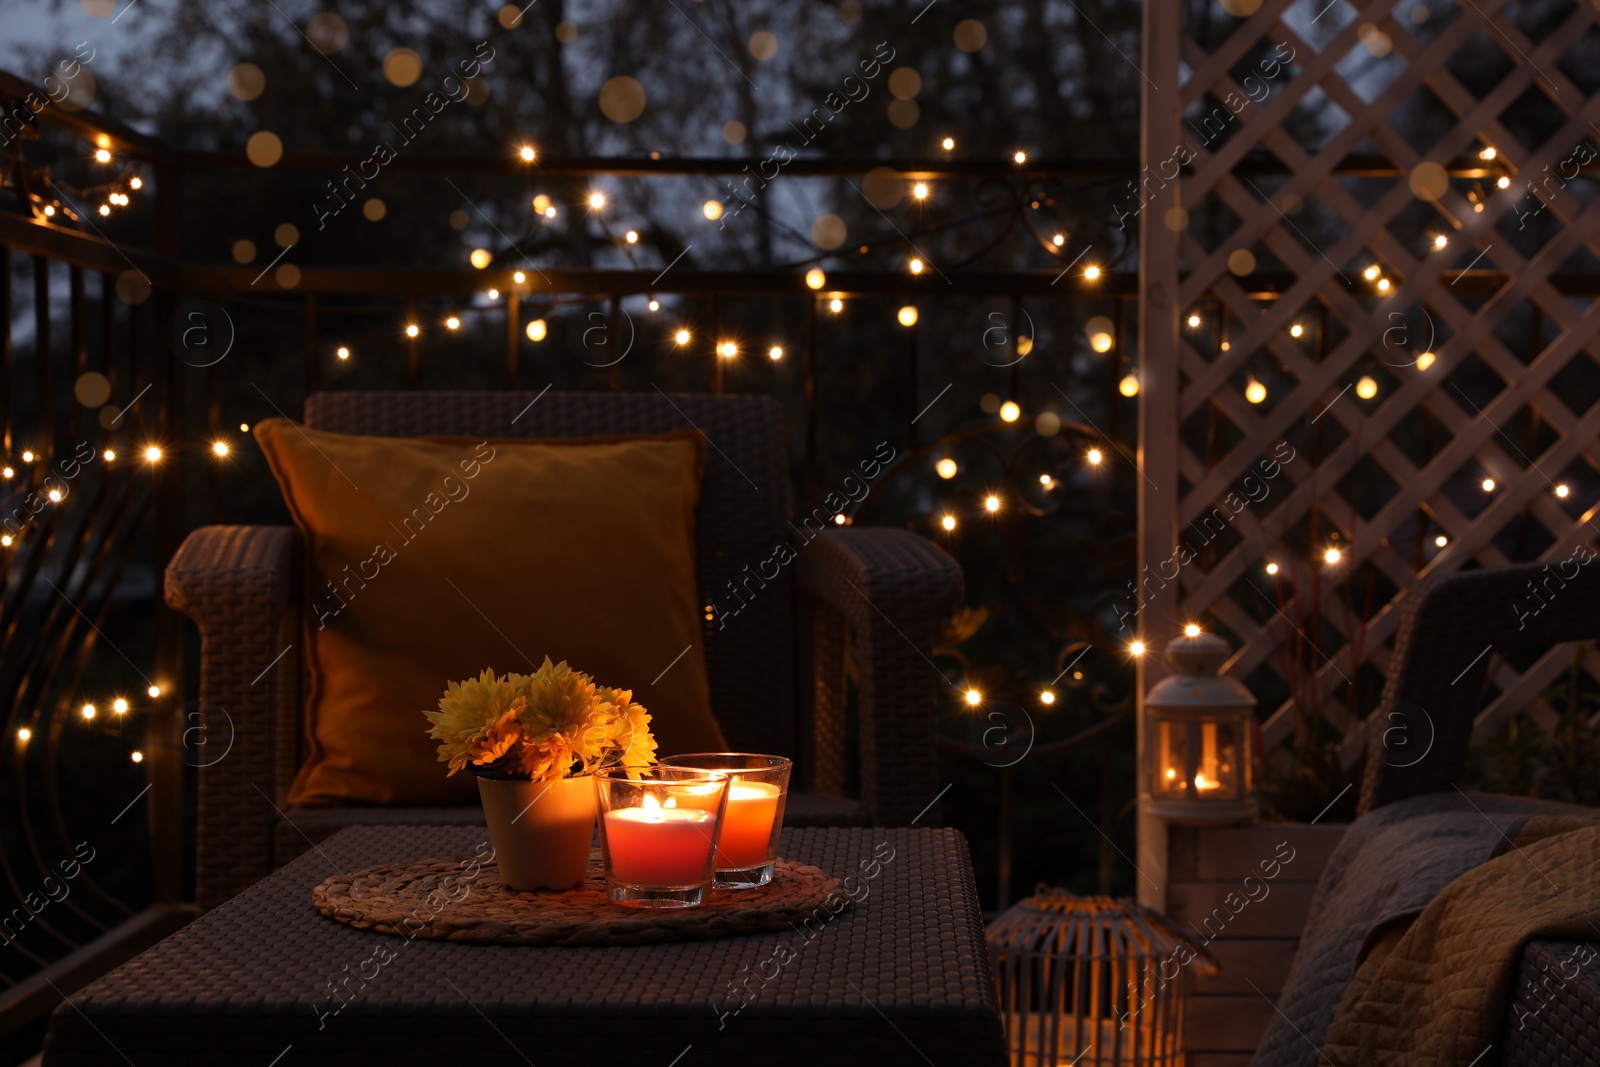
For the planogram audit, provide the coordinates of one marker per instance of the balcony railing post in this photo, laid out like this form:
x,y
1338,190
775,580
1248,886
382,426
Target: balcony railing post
x,y
5,350
513,337
613,335
165,723
811,401
45,429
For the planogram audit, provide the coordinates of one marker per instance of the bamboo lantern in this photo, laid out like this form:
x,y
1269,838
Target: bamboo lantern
x,y
1092,981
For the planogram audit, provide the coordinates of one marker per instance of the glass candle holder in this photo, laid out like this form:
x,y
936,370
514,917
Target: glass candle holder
x,y
748,846
658,833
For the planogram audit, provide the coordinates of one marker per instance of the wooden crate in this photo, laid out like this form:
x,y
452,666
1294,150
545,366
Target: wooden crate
x,y
1253,933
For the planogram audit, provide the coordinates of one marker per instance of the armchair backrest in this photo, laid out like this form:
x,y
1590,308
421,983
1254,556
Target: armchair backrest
x,y
742,516
1451,628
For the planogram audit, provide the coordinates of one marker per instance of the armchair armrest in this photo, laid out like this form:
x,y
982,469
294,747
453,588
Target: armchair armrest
x,y
237,584
891,589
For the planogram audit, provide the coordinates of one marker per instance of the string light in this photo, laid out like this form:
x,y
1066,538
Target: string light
x,y
1020,157
220,448
974,697
1504,182
110,454
1092,273
1101,342
1425,360
916,265
1255,392
946,468
244,427
550,212
1487,153
527,153
537,330
632,237
1191,630
1488,485
1047,697
597,201
1562,491
1095,457
682,337
1010,411
1370,274
452,323
920,190
654,305
712,209
49,210
412,329
908,315
841,519
342,352
154,691
727,350
1272,568
1441,541
1059,239
518,277
1366,387
1194,321
8,473
948,522
1440,241
991,503
153,454
1332,556
102,156
119,706
5,540
836,305
1296,330
27,457
136,756
24,734
493,294
815,279
1129,386
948,143
775,353
480,258
105,209
136,182
1137,648
88,711
1047,481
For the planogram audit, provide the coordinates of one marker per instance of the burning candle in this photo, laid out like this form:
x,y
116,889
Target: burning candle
x,y
660,846
747,828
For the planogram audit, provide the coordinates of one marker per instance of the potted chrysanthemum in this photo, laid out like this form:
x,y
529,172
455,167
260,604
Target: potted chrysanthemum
x,y
534,741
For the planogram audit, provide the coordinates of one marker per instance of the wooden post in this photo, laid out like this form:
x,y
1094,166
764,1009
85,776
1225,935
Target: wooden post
x,y
1158,397
513,338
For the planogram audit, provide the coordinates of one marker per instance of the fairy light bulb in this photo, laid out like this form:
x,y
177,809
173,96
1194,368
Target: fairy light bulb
x,y
1425,360
1137,648
948,144
597,201
1370,274
1296,330
219,448
1191,630
974,697
836,305
537,330
119,706
1095,456
946,468
1366,387
1272,568
1010,411
88,711
1255,392
452,323
1047,697
481,258
1563,492
24,734
948,522
1129,386
527,153
1488,485
1091,273
920,190
519,277
991,503
1019,157
916,265
775,353
632,237
1194,322
152,454
136,756
1441,241
1441,541
815,279
343,352
1332,556
727,350
682,337
154,691
102,156
907,315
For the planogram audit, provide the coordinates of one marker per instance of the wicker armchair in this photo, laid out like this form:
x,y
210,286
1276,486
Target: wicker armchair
x,y
1444,623
886,587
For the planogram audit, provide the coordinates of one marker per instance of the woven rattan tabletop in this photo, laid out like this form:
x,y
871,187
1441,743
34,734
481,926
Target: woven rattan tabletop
x,y
902,976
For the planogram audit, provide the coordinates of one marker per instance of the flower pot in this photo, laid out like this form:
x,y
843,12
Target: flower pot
x,y
541,831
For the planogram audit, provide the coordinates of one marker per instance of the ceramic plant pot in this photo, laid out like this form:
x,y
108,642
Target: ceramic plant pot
x,y
541,831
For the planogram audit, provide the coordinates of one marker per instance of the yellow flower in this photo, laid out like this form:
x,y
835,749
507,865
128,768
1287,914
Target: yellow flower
x,y
477,720
545,760
560,701
631,741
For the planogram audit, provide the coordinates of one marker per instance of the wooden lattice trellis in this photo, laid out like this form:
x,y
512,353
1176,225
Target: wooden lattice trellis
x,y
1322,138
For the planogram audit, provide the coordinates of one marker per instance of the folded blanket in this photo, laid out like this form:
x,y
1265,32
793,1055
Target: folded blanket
x,y
1438,997
1389,865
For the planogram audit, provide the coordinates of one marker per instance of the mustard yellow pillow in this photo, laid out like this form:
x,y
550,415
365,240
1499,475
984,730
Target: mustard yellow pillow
x,y
430,559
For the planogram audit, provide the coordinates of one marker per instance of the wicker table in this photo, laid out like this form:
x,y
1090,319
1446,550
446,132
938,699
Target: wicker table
x,y
902,977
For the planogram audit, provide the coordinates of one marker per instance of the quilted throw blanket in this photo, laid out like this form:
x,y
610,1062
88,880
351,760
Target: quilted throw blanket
x,y
1388,867
1437,998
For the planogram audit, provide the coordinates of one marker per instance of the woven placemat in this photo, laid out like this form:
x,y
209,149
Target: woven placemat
x,y
394,899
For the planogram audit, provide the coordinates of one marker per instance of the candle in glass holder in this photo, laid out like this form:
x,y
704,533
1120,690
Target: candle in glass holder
x,y
747,828
653,845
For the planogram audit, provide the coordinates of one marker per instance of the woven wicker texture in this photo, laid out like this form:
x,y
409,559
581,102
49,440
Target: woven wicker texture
x,y
900,977
385,897
241,585
1554,1016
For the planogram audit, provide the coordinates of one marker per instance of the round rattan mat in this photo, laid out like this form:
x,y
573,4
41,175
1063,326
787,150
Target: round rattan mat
x,y
395,899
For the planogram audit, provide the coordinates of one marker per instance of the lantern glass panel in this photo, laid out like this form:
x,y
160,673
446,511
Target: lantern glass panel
x,y
1200,759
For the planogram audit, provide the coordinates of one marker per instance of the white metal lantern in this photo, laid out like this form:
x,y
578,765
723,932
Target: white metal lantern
x,y
1199,738
1092,981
